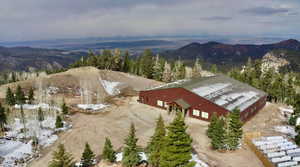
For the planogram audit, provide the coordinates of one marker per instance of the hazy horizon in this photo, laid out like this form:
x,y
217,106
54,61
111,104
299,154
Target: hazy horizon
x,y
33,20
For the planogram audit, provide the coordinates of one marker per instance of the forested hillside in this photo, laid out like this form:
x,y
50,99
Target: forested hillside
x,y
26,58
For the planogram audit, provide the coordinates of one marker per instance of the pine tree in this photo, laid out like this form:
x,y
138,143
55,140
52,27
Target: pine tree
x,y
10,98
154,148
61,158
88,157
64,108
59,123
126,62
3,118
297,139
20,96
218,135
177,148
147,63
131,155
40,115
235,131
31,96
214,68
108,152
212,125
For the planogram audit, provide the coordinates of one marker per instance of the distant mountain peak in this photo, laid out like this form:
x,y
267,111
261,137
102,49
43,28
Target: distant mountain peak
x,y
290,42
212,43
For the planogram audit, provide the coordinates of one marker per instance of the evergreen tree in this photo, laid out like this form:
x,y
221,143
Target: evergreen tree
x,y
3,118
212,125
31,96
126,62
235,130
10,98
64,108
297,139
41,117
154,148
59,123
131,155
147,63
61,158
20,96
218,135
177,148
108,152
214,68
88,157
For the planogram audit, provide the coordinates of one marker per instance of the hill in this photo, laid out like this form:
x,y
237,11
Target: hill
x,y
82,85
26,58
226,54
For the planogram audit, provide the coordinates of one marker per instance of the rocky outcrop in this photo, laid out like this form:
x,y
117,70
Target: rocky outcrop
x,y
274,60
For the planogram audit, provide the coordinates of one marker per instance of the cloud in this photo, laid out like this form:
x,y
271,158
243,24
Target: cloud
x,y
265,11
51,19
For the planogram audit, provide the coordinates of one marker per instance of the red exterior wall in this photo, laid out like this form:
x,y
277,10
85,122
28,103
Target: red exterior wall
x,y
169,95
150,97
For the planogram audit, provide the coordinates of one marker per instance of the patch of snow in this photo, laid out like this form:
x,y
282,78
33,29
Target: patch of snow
x,y
37,106
110,87
14,150
52,90
119,156
286,110
288,130
199,163
91,106
195,158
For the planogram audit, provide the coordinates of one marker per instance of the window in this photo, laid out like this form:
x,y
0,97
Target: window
x,y
196,112
204,115
160,103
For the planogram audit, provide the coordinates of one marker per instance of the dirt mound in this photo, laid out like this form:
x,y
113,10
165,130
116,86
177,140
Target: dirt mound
x,y
84,80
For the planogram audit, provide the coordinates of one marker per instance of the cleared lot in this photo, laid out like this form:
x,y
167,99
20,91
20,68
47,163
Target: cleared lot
x,y
115,122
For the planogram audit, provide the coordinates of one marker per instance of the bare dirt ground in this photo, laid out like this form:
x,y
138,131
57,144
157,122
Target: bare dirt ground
x,y
70,81
114,123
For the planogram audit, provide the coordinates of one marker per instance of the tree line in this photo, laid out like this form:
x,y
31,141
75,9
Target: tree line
x,y
19,97
147,65
225,132
279,86
169,146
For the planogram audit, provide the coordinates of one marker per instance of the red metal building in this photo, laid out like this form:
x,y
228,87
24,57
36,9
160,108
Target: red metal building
x,y
201,97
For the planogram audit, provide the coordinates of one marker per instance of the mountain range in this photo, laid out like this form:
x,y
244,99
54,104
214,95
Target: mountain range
x,y
26,58
228,55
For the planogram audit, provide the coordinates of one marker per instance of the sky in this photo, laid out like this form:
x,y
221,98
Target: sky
x,y
53,19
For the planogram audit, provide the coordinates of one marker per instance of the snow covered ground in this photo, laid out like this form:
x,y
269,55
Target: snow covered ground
x,y
13,146
110,87
14,150
288,130
92,107
195,158
37,106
